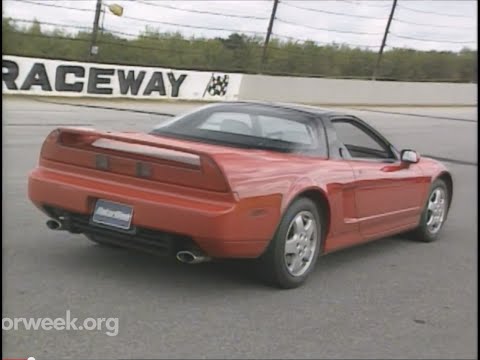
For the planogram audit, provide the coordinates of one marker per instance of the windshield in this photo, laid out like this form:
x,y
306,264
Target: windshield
x,y
244,126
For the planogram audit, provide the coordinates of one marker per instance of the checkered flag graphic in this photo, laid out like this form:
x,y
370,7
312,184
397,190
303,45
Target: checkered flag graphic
x,y
218,85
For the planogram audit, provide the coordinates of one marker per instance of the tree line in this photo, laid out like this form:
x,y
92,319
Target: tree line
x,y
239,53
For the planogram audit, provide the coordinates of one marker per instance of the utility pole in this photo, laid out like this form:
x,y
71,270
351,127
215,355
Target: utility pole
x,y
103,22
269,32
93,46
375,70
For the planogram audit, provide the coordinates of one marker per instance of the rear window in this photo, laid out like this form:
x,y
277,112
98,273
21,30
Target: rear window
x,y
244,126
267,127
218,120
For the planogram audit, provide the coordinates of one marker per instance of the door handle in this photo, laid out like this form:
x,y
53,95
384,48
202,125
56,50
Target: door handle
x,y
390,168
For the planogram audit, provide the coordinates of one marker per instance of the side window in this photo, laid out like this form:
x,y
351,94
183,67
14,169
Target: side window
x,y
310,134
284,129
359,142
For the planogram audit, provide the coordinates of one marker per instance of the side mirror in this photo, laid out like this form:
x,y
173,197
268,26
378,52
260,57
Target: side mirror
x,y
410,156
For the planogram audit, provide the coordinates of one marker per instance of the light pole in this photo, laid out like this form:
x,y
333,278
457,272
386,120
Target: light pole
x,y
115,9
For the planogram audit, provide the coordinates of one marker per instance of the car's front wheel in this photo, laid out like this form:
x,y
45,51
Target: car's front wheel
x,y
293,252
434,213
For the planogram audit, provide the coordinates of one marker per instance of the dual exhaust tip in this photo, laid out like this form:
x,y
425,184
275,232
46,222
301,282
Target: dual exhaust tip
x,y
184,256
54,224
192,257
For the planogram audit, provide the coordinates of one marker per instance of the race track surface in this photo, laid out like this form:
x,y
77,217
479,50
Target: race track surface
x,y
393,298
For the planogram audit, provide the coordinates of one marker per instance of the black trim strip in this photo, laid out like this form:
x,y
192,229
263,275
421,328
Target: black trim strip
x,y
454,161
108,108
417,115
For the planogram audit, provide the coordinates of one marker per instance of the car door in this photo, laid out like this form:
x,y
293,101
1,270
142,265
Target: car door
x,y
388,192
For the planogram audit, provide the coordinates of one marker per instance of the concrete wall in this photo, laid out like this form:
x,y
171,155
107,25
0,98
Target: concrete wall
x,y
31,76
352,92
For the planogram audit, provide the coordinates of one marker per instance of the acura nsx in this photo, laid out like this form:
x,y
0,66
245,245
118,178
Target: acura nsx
x,y
278,183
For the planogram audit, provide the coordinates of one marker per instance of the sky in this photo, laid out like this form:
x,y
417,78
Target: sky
x,y
422,25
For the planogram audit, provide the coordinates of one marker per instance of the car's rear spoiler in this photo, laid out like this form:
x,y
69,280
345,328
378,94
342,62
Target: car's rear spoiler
x,y
125,152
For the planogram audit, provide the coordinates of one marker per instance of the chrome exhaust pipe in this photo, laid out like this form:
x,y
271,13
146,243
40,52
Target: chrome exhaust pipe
x,y
192,257
54,224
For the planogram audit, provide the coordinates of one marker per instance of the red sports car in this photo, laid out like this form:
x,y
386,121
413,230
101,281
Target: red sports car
x,y
278,183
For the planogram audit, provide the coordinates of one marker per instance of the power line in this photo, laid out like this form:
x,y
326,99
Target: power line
x,y
203,11
387,6
193,26
123,45
54,1
331,12
433,13
58,37
75,26
105,30
297,39
322,42
51,24
301,50
152,21
138,36
54,5
410,49
326,29
141,47
432,25
432,40
107,42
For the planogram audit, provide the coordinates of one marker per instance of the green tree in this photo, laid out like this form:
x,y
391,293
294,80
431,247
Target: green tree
x,y
238,53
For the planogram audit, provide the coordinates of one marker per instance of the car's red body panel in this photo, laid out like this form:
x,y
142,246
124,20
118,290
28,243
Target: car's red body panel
x,y
230,202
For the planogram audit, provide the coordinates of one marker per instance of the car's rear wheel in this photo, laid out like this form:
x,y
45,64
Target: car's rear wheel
x,y
434,213
293,252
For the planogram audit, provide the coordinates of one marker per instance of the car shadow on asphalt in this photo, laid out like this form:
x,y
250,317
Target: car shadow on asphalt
x,y
129,265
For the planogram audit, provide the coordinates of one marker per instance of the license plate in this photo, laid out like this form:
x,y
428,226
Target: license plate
x,y
112,214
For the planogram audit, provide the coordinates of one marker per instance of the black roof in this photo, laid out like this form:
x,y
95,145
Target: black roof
x,y
312,110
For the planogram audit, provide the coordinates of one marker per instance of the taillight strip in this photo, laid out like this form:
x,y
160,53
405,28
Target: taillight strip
x,y
156,152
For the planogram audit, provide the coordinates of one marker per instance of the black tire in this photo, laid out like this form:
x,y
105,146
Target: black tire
x,y
422,232
273,264
99,240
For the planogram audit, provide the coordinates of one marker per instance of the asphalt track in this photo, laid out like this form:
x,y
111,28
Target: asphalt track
x,y
393,298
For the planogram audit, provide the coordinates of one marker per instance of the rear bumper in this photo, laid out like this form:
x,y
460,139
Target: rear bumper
x,y
230,229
